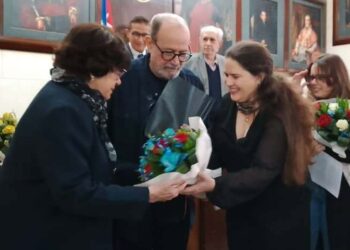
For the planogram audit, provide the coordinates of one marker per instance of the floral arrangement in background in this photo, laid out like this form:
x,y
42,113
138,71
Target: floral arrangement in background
x,y
8,122
332,122
172,151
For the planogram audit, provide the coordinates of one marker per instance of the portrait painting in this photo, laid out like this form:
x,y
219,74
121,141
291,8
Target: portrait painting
x,y
123,11
341,22
47,20
199,13
262,20
307,29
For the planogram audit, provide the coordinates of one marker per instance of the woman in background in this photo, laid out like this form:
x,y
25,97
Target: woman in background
x,y
266,153
328,78
55,184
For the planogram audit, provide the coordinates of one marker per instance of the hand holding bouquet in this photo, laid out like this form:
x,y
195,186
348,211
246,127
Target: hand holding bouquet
x,y
332,124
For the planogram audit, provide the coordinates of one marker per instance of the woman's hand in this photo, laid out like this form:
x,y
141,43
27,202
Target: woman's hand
x,y
204,184
297,78
165,191
318,147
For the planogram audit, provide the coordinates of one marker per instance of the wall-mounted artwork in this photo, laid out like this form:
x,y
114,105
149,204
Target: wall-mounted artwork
x,y
123,11
307,33
341,22
199,13
262,21
42,21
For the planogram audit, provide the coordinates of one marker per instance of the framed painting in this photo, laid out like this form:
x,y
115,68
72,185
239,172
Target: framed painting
x,y
36,25
199,13
307,32
123,11
261,21
341,22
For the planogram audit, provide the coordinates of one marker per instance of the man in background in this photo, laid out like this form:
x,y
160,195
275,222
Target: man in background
x,y
208,65
264,32
138,29
166,226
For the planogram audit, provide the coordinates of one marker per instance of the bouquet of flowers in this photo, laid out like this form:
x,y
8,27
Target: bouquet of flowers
x,y
176,154
8,122
172,151
332,124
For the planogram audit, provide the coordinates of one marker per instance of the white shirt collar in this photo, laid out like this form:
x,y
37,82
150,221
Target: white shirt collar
x,y
136,53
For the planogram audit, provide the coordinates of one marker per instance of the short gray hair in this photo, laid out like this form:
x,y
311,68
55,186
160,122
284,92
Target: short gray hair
x,y
158,19
210,28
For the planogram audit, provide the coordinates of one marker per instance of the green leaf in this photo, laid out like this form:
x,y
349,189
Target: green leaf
x,y
323,107
343,141
183,169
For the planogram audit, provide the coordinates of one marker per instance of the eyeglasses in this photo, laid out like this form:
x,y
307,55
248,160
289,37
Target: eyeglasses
x,y
138,34
309,78
120,72
168,55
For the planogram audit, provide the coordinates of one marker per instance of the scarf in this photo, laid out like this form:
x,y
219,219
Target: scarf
x,y
94,101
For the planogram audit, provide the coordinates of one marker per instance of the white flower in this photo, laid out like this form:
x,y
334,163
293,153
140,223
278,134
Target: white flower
x,y
333,106
342,124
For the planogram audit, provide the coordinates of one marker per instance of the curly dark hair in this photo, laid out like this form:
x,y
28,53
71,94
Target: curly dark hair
x,y
91,50
275,96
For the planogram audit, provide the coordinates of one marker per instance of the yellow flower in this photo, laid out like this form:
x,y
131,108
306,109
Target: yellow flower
x,y
9,118
9,129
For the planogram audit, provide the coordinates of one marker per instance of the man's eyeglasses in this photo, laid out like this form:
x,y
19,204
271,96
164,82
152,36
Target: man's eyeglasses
x,y
309,78
169,55
138,34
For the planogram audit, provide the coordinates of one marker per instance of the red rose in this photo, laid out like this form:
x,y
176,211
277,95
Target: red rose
x,y
324,120
348,114
181,137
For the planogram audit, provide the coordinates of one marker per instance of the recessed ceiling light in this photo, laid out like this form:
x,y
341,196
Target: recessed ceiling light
x,y
143,1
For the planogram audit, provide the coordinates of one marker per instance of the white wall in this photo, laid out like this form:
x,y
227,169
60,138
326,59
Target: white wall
x,y
22,74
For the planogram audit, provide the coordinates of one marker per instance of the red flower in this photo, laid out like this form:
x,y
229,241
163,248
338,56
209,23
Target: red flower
x,y
148,168
348,114
324,120
181,137
156,150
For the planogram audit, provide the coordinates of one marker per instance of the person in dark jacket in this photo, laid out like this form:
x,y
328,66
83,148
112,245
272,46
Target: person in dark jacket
x,y
166,225
55,183
265,152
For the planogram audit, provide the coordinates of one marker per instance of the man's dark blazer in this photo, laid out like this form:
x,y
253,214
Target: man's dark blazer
x,y
55,190
129,109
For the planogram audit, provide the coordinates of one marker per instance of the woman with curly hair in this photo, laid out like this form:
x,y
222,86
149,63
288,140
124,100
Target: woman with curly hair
x,y
262,136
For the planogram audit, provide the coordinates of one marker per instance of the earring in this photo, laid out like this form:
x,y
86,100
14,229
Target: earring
x,y
92,77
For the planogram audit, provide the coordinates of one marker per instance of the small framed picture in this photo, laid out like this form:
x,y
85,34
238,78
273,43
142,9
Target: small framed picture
x,y
261,21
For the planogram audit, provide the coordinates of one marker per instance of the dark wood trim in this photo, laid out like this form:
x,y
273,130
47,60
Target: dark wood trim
x,y
286,33
238,20
12,43
336,16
